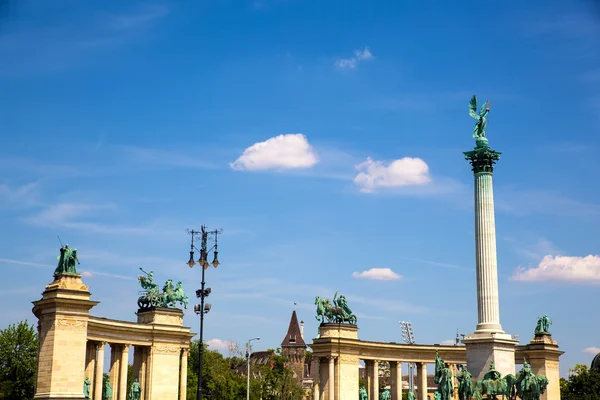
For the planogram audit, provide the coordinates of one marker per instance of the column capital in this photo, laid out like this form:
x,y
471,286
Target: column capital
x,y
100,345
482,159
185,351
126,347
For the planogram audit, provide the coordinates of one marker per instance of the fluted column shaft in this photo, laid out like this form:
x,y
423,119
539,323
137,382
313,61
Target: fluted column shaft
x,y
183,375
99,371
316,377
485,252
422,380
123,373
374,389
331,378
396,378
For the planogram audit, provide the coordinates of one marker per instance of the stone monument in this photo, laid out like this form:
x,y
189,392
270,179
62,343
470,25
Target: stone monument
x,y
489,342
63,314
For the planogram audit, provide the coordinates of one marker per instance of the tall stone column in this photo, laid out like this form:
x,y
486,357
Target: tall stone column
x,y
99,371
374,378
123,372
331,378
316,377
183,374
422,380
396,377
115,362
488,342
90,364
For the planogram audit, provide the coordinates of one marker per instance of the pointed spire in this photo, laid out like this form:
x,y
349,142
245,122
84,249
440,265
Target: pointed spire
x,y
293,338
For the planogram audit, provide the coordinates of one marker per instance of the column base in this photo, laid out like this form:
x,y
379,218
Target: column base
x,y
483,348
488,329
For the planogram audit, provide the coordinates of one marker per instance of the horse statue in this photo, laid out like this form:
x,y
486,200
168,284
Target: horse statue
x,y
323,306
443,378
150,296
180,295
491,385
465,383
529,386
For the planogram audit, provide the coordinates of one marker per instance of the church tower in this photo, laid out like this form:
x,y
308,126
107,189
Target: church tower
x,y
293,348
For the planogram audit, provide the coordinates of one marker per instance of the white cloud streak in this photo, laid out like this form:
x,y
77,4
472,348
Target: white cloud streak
x,y
286,151
562,269
352,62
377,274
592,350
406,171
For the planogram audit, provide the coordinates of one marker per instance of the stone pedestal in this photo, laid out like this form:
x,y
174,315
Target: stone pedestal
x,y
542,354
339,372
482,349
63,314
162,367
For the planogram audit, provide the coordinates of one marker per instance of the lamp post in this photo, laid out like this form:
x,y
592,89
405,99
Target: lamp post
x,y
248,363
409,338
203,292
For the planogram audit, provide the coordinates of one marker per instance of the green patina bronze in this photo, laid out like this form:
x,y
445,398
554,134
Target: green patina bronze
x,y
443,378
543,325
480,117
437,396
492,385
67,261
362,394
385,395
338,312
529,386
410,396
135,392
465,383
86,387
482,158
151,296
108,392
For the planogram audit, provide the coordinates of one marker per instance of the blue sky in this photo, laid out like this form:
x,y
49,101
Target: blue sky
x,y
325,138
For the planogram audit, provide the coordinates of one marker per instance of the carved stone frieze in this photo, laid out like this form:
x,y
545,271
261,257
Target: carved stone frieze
x,y
165,349
71,323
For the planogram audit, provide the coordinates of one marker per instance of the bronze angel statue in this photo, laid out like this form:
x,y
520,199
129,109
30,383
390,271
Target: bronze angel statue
x,y
479,131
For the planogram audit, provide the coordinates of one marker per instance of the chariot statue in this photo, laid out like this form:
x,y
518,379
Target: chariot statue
x,y
151,296
336,312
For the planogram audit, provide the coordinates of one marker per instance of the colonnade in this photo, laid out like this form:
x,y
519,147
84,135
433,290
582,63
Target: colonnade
x,y
143,358
328,386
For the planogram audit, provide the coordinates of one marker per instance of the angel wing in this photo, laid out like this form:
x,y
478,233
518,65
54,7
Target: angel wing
x,y
473,107
483,107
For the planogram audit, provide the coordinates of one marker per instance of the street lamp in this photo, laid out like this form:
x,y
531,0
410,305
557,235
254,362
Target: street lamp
x,y
201,293
248,362
409,338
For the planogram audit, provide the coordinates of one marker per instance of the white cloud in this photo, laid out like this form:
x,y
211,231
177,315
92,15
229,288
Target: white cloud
x,y
87,274
218,344
351,63
592,350
288,151
449,342
562,269
377,274
406,171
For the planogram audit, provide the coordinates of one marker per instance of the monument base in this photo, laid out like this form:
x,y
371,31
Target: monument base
x,y
482,349
160,315
332,330
59,396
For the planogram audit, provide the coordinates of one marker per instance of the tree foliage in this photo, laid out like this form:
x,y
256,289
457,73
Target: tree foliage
x,y
221,378
583,384
18,361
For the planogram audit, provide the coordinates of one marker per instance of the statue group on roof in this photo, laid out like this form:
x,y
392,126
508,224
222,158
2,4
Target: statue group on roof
x,y
151,296
336,312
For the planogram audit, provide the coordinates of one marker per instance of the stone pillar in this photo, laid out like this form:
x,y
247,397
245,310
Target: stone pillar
x,y
396,378
99,371
488,342
123,372
90,364
183,374
115,362
331,379
63,313
422,381
316,377
374,378
542,354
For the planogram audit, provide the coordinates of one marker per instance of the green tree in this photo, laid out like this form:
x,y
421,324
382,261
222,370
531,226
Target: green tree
x,y
18,361
279,382
583,384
